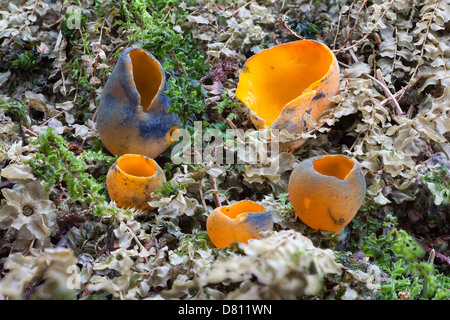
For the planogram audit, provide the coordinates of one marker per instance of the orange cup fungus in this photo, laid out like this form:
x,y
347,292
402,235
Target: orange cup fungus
x,y
237,222
327,191
278,85
132,115
131,180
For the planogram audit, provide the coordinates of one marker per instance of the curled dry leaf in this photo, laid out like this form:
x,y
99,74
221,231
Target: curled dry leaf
x,y
28,211
282,263
47,274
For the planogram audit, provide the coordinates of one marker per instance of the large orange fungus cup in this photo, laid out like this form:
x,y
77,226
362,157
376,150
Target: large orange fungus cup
x,y
133,116
327,191
278,85
237,222
132,179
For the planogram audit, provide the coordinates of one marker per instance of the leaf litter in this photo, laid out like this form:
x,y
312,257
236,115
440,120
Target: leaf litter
x,y
391,113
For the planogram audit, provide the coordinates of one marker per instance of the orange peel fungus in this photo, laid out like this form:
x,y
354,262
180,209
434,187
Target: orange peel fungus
x,y
237,222
131,180
278,85
327,191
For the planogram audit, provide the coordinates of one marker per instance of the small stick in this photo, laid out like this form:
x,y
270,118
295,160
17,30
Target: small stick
x,y
213,182
97,53
283,22
377,38
233,126
353,54
202,198
410,112
432,256
437,255
368,33
337,29
55,116
48,27
31,133
110,240
395,104
350,33
408,87
95,115
178,62
237,10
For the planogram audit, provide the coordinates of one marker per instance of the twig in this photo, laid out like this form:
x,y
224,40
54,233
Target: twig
x,y
138,242
48,27
284,24
98,51
399,95
344,64
410,112
233,126
120,45
395,51
178,62
27,23
393,102
110,240
55,116
377,38
353,54
202,198
396,107
368,33
31,133
337,30
95,115
425,40
438,255
213,182
226,44
238,9
350,33
432,256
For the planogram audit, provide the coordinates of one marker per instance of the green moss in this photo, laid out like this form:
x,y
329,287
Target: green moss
x,y
56,164
20,55
180,56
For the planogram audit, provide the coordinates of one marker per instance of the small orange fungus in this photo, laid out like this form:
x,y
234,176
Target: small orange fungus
x,y
237,222
327,191
131,180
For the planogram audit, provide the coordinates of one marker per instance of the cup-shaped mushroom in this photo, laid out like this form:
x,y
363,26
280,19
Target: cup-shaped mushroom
x,y
278,85
237,222
133,113
327,191
132,179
